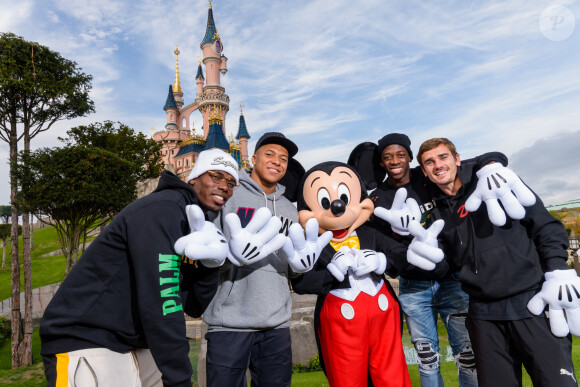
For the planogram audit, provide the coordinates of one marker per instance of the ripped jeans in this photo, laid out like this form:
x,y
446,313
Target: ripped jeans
x,y
422,302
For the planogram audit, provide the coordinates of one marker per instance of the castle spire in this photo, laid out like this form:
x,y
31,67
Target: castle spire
x,y
211,34
242,129
199,71
176,84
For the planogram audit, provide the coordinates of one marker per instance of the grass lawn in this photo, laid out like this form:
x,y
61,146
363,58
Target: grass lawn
x,y
34,375
50,270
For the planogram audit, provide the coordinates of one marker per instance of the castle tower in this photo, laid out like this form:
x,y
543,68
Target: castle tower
x,y
243,136
180,142
213,98
199,79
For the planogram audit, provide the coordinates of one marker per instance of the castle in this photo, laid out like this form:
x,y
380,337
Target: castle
x,y
180,145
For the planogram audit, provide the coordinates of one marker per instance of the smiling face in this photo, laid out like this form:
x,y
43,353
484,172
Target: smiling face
x,y
212,194
270,164
440,166
395,161
335,201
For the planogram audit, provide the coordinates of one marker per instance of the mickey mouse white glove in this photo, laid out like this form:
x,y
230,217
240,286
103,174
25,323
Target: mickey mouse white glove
x,y
368,261
303,251
497,182
257,240
402,211
205,242
341,261
561,292
423,251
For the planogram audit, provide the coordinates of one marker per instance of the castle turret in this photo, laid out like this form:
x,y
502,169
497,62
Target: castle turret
x,y
243,136
213,97
216,137
199,79
171,110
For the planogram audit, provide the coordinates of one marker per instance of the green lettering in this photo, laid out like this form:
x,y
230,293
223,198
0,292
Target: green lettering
x,y
170,292
171,306
170,280
168,262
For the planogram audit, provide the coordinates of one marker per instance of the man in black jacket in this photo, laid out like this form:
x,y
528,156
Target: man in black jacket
x,y
502,269
423,294
117,319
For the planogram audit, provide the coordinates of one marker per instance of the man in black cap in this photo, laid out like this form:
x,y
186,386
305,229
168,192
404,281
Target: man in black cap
x,y
249,318
423,295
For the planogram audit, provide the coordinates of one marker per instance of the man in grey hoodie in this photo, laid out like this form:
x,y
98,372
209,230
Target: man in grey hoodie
x,y
249,316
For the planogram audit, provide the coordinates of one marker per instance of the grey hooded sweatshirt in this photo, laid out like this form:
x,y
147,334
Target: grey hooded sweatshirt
x,y
257,296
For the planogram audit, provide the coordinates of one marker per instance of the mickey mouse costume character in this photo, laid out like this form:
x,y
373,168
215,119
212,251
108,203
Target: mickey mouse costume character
x,y
357,317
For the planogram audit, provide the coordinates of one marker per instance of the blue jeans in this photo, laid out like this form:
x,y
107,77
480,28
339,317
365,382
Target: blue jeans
x,y
422,302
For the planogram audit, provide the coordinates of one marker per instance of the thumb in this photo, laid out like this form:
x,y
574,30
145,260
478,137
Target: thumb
x,y
195,217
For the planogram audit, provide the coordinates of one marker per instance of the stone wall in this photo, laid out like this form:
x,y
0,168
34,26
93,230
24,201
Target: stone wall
x,y
40,299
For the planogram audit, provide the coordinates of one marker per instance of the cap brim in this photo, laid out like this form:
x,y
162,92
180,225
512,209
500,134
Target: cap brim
x,y
282,141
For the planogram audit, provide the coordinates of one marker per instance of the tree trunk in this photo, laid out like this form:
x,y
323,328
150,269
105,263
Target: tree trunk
x,y
25,348
576,264
71,251
15,265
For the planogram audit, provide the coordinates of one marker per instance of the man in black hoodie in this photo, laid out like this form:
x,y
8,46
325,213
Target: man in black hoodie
x,y
502,269
117,319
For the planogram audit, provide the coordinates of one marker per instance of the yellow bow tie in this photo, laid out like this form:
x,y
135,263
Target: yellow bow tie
x,y
351,242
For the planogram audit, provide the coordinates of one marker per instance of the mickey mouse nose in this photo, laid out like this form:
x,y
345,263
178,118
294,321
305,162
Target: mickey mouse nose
x,y
337,207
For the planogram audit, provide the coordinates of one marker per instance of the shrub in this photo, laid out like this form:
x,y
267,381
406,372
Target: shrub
x,y
312,366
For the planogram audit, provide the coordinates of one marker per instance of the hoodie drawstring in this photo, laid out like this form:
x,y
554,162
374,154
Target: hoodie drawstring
x,y
273,203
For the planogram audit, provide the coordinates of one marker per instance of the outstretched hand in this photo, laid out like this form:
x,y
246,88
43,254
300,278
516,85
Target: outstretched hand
x,y
402,212
561,292
498,183
303,246
205,242
260,238
423,251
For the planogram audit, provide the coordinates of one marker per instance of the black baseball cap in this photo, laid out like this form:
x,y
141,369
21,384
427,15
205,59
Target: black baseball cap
x,y
277,138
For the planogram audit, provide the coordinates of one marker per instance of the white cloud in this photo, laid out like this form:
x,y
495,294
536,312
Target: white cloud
x,y
330,74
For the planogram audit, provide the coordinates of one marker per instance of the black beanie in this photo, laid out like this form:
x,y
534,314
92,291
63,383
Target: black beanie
x,y
395,138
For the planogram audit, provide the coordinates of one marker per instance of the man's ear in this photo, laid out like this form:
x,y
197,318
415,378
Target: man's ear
x,y
457,160
254,159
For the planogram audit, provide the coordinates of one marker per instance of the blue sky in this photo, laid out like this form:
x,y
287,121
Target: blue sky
x,y
491,75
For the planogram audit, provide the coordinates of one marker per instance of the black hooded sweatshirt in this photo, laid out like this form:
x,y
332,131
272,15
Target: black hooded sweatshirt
x,y
501,268
127,290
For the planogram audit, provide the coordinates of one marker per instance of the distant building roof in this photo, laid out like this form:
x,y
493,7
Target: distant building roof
x,y
216,137
199,72
210,31
242,129
189,148
170,102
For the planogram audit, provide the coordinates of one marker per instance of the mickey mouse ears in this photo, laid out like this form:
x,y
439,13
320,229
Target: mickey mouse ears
x,y
365,159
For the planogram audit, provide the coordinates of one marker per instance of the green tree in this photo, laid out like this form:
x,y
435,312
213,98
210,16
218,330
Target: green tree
x,y
5,213
38,87
75,187
123,141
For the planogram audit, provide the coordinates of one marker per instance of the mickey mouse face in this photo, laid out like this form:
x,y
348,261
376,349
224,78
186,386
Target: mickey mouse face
x,y
335,201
